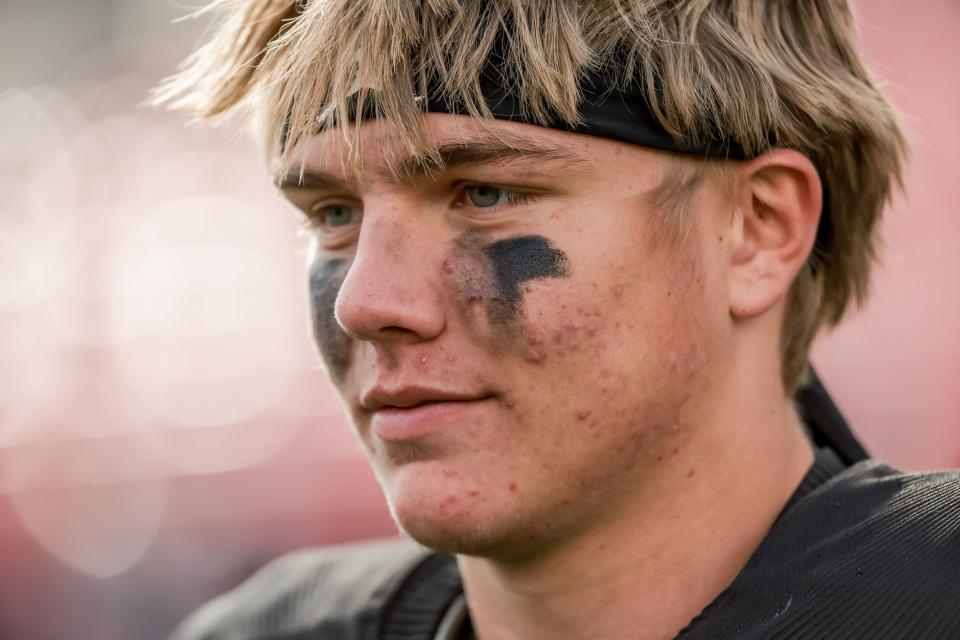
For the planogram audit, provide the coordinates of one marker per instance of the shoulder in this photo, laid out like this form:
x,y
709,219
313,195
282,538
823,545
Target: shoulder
x,y
889,550
872,550
331,591
874,520
873,501
872,553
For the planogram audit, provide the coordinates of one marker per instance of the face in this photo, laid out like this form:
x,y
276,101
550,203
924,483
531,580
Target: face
x,y
518,351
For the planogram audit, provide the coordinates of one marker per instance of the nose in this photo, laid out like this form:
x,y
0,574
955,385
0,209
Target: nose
x,y
391,293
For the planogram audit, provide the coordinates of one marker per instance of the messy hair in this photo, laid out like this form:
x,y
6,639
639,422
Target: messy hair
x,y
764,74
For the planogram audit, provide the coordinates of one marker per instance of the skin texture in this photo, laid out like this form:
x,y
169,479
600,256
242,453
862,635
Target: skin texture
x,y
609,385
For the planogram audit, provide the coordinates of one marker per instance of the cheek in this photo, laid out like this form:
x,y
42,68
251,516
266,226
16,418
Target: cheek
x,y
489,278
326,277
559,329
613,360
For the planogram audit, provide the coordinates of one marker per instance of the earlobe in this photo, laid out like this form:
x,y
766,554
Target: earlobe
x,y
778,210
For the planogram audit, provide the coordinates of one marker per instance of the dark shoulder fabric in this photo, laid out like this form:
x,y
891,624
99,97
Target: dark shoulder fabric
x,y
873,553
336,593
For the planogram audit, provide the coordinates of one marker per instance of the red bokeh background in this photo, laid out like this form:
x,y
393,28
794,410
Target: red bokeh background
x,y
164,425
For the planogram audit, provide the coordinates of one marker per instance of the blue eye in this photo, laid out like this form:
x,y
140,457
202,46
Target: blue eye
x,y
483,195
334,216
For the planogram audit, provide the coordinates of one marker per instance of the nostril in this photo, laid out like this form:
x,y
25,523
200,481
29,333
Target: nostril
x,y
397,332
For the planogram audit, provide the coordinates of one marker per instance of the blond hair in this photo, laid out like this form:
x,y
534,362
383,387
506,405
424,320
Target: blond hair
x,y
765,74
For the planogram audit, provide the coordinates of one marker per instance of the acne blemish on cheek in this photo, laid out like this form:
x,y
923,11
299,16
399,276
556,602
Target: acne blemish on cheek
x,y
447,503
535,357
325,279
512,487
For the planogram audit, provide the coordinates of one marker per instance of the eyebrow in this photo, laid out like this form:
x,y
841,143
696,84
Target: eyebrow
x,y
310,180
409,169
483,151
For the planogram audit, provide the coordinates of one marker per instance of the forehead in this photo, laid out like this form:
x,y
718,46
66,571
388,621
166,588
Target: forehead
x,y
448,140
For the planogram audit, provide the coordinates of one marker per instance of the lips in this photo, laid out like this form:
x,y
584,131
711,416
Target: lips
x,y
378,398
412,412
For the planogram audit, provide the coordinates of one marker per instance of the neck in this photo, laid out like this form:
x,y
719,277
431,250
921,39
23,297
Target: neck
x,y
654,566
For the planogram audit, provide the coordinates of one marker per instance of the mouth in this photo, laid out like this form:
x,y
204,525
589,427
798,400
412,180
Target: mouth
x,y
393,423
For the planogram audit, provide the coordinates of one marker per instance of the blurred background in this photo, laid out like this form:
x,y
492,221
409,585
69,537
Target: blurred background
x,y
164,425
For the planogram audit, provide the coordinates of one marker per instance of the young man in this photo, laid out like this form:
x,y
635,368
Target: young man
x,y
568,260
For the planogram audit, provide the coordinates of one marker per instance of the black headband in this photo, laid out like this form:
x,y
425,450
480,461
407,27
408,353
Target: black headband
x,y
607,108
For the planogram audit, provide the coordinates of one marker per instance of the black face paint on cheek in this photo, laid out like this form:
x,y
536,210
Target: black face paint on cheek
x,y
517,260
325,280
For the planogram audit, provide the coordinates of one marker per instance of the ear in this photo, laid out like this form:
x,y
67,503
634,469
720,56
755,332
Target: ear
x,y
778,210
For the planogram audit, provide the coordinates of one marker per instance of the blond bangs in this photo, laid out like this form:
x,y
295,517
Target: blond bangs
x,y
765,74
295,64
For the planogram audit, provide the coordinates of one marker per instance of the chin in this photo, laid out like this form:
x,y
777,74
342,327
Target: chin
x,y
453,513
503,540
444,509
448,537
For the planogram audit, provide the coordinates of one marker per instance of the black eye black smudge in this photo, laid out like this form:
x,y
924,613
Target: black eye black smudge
x,y
517,260
325,280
